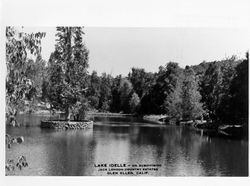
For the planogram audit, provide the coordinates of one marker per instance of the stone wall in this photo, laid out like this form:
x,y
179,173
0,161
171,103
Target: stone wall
x,y
67,124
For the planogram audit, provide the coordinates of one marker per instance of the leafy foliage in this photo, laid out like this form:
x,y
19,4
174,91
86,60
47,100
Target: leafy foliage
x,y
115,105
18,81
93,92
134,103
68,70
166,82
191,105
140,80
125,90
105,92
238,104
215,88
173,103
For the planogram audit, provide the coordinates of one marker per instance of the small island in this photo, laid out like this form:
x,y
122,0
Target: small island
x,y
53,124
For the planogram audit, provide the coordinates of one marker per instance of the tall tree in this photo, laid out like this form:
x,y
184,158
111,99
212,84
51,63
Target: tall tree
x,y
166,83
94,90
134,103
239,94
210,88
223,110
68,77
125,91
173,102
105,92
140,80
36,71
115,105
191,98
137,78
215,88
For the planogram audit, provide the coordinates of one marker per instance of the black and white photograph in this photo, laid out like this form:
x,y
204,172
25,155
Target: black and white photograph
x,y
105,101
126,101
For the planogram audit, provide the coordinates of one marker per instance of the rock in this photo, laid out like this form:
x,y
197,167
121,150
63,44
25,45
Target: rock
x,y
20,139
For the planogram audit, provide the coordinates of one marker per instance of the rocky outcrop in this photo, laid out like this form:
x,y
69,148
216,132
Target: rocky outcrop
x,y
52,124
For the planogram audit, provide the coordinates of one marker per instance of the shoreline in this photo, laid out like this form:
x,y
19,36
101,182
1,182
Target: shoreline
x,y
148,117
90,113
229,131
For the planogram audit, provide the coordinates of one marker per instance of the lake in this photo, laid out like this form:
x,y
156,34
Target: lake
x,y
176,150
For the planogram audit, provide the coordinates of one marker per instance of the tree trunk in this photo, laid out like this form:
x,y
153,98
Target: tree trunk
x,y
67,113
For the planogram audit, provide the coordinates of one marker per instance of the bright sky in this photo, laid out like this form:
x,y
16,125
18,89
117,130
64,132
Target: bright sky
x,y
116,50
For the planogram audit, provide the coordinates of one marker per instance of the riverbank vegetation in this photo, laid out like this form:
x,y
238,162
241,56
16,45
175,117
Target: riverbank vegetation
x,y
214,91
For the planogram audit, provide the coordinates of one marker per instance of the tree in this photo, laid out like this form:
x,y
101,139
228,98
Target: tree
x,y
140,80
18,81
239,94
134,103
105,92
93,92
37,72
210,86
45,85
191,105
173,102
115,105
166,82
125,90
215,88
148,105
18,84
137,78
68,70
223,111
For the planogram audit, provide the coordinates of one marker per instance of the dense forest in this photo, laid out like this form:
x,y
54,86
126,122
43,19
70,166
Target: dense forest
x,y
215,91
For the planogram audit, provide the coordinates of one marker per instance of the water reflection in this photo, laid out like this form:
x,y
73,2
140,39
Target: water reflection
x,y
180,150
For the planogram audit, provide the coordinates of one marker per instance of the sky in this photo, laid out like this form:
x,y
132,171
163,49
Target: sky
x,y
116,50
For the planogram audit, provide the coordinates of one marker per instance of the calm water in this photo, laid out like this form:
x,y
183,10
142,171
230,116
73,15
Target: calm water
x,y
180,151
